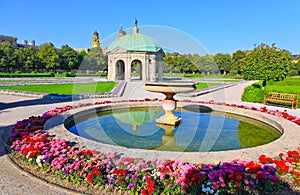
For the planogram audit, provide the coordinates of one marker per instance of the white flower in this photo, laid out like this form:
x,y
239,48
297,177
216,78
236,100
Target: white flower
x,y
39,160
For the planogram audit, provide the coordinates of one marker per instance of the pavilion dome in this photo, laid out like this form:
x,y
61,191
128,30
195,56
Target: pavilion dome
x,y
135,42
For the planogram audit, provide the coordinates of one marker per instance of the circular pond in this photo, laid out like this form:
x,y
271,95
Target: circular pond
x,y
201,129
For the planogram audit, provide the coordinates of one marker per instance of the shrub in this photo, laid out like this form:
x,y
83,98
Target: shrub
x,y
293,73
50,74
69,74
18,72
254,93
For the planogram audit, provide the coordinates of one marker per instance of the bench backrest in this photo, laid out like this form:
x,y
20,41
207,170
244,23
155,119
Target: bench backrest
x,y
283,96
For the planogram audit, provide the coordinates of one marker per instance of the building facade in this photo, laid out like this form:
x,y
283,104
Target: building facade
x,y
8,39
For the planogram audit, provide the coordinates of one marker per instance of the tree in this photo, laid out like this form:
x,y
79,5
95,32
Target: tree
x,y
266,63
224,62
7,56
96,60
68,58
168,63
49,56
237,61
297,65
32,61
207,65
20,58
185,65
179,63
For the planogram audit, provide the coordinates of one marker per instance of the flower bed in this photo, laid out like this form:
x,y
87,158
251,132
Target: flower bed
x,y
92,171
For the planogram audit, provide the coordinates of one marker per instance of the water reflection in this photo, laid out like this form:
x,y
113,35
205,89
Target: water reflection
x,y
136,128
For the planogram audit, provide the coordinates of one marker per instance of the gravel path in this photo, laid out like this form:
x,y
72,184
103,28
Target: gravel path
x,y
14,108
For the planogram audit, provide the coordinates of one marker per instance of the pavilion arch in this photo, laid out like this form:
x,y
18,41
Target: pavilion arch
x,y
120,70
137,69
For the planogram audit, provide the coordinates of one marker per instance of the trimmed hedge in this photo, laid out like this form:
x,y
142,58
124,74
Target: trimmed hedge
x,y
254,93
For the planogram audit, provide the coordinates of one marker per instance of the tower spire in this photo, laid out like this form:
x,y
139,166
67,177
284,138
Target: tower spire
x,y
96,42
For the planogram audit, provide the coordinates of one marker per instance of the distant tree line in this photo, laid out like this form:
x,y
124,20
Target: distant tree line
x,y
264,62
48,58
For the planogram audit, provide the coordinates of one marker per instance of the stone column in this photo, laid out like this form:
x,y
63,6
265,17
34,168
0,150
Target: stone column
x,y
160,70
152,69
127,73
111,75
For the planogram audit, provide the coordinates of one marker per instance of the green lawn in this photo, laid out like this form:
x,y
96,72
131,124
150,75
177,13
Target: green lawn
x,y
82,88
289,85
205,85
9,81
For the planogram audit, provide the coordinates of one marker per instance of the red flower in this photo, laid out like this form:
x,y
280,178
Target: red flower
x,y
259,175
90,177
97,173
253,167
148,179
294,154
128,160
144,192
122,171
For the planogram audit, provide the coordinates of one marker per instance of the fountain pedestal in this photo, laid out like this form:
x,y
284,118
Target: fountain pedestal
x,y
169,104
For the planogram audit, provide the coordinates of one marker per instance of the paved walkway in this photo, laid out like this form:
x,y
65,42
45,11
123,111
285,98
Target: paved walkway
x,y
14,108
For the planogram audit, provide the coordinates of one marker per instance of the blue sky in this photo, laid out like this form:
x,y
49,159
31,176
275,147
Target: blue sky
x,y
218,25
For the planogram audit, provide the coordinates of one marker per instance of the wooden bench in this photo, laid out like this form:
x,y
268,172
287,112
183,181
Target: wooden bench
x,y
284,98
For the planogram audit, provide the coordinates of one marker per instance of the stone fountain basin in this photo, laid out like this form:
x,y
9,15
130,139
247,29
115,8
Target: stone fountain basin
x,y
174,87
288,141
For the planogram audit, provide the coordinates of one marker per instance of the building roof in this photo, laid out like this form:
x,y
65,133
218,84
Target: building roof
x,y
135,42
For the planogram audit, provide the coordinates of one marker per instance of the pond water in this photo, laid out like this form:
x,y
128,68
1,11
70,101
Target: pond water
x,y
200,130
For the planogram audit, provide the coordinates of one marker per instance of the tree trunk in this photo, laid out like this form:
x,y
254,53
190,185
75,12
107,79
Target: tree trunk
x,y
264,84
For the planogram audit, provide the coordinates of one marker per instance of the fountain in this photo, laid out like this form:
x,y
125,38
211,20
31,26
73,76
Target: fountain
x,y
169,104
153,129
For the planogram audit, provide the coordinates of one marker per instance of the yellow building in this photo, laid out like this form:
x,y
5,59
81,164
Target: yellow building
x,y
11,40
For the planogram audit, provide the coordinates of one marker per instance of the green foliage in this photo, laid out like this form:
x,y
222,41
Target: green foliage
x,y
224,62
68,58
49,56
95,60
7,60
237,61
180,63
254,93
293,73
205,64
266,63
